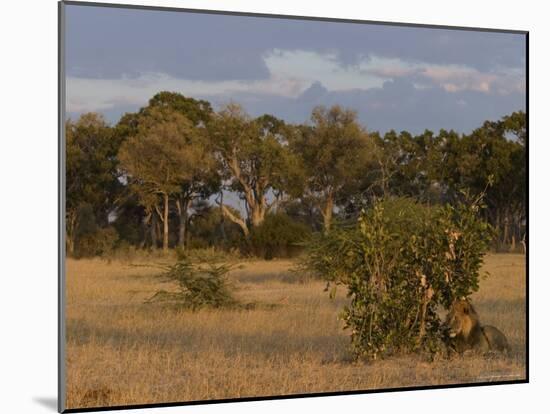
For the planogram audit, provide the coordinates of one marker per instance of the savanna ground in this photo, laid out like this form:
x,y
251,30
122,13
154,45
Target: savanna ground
x,y
121,351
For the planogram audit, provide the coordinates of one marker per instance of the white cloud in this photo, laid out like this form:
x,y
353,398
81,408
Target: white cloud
x,y
98,94
311,66
452,78
291,72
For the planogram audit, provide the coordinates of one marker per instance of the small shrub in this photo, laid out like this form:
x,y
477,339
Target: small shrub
x,y
199,285
278,236
399,263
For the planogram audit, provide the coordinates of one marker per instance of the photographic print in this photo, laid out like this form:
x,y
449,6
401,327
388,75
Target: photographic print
x,y
259,206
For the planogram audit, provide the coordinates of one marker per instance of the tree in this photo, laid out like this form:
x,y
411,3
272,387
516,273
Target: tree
x,y
399,263
166,152
204,181
254,161
405,165
491,159
198,112
91,171
208,228
336,153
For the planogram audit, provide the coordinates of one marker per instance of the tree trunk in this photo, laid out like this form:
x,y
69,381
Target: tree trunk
x,y
258,214
327,212
153,230
254,196
70,246
499,229
506,222
242,224
144,228
158,231
513,244
184,216
70,232
222,221
165,223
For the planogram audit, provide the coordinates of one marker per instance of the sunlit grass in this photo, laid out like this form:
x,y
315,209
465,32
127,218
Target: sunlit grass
x,y
122,351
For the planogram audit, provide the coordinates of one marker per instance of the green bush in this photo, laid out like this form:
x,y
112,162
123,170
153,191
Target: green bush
x,y
199,285
278,236
399,263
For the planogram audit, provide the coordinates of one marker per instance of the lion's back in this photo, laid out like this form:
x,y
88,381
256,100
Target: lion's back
x,y
497,340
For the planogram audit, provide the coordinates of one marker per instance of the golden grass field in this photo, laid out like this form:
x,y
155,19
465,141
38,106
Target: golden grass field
x,y
121,351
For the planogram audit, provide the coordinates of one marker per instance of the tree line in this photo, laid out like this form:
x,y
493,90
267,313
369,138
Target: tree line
x,y
160,177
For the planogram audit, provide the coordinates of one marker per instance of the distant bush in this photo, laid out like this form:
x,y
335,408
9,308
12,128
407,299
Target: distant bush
x,y
199,285
211,229
399,262
101,242
129,228
278,236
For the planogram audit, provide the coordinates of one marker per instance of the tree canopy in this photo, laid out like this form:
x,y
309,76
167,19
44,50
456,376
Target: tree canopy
x,y
91,171
145,179
336,153
166,156
255,161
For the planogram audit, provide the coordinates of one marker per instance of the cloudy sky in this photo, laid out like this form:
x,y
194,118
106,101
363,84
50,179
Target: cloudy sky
x,y
399,78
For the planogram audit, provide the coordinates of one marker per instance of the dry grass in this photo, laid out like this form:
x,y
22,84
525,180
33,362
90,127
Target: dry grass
x,y
121,351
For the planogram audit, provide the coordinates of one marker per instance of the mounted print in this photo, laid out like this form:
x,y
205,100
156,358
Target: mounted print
x,y
257,206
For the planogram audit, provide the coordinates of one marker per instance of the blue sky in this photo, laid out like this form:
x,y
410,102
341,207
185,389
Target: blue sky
x,y
395,77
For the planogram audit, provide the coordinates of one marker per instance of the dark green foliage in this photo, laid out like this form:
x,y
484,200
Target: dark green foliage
x,y
336,154
101,242
199,285
129,222
153,174
90,239
278,236
493,154
436,168
86,220
211,229
91,171
197,111
254,160
399,262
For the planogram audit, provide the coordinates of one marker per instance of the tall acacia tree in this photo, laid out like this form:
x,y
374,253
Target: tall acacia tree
x,y
165,152
204,180
255,161
336,153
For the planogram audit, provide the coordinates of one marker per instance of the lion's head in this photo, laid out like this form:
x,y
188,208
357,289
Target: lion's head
x,y
462,319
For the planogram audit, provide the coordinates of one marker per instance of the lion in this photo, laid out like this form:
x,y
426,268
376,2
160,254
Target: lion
x,y
467,333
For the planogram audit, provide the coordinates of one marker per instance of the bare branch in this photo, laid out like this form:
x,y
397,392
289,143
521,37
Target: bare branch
x,y
159,213
227,213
